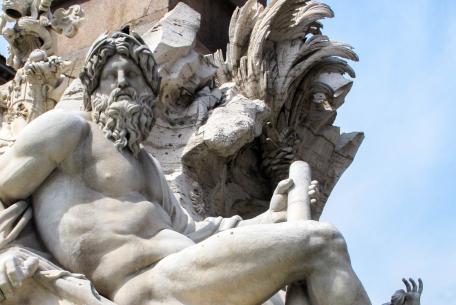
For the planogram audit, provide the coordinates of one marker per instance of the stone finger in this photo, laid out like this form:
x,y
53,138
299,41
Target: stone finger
x,y
5,285
420,286
14,272
279,217
407,285
284,186
414,286
31,265
279,202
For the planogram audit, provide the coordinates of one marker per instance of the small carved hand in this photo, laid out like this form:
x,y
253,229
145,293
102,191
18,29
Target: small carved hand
x,y
314,194
14,270
410,297
279,202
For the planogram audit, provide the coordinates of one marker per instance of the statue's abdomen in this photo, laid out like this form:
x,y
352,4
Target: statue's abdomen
x,y
79,226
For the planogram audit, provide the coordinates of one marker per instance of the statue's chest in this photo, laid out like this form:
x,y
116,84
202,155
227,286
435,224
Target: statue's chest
x,y
111,172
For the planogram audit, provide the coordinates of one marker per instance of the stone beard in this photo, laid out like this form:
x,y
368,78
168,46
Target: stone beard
x,y
121,82
125,116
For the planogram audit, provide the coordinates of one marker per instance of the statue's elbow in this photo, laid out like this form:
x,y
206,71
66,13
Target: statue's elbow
x,y
4,200
9,193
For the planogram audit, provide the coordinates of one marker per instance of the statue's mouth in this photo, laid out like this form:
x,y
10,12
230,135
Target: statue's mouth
x,y
13,13
123,96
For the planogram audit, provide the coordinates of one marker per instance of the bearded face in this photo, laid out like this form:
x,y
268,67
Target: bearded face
x,y
125,116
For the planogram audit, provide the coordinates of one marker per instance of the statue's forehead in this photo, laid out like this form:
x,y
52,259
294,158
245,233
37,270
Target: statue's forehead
x,y
119,61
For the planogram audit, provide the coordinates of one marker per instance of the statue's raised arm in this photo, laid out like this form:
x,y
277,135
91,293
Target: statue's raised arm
x,y
39,150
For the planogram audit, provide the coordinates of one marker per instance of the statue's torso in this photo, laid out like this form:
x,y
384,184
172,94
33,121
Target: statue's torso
x,y
96,210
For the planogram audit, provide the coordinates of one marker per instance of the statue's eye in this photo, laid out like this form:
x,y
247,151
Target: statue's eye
x,y
109,76
132,74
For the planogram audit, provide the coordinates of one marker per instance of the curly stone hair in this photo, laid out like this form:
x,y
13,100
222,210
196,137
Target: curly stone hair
x,y
120,43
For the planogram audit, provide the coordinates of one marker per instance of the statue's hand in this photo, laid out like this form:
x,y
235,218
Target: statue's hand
x,y
410,297
14,270
279,202
314,195
413,294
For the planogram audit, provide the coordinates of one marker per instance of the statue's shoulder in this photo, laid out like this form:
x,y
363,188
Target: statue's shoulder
x,y
60,120
56,126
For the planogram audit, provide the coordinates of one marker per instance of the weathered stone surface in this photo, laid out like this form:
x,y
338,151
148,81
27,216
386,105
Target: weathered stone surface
x,y
108,16
175,35
243,120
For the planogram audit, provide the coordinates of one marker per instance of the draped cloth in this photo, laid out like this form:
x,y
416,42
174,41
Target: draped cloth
x,y
50,282
63,285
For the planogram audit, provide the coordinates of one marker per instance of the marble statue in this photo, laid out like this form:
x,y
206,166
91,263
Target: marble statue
x,y
32,24
113,197
36,89
120,223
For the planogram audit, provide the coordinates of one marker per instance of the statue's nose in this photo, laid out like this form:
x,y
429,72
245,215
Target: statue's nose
x,y
122,81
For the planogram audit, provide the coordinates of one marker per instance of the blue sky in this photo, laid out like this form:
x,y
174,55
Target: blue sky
x,y
395,204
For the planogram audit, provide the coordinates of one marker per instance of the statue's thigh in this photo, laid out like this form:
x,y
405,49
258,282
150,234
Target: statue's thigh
x,y
240,266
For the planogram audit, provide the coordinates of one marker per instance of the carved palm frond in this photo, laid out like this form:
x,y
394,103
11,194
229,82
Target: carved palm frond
x,y
278,54
240,30
271,49
242,21
278,38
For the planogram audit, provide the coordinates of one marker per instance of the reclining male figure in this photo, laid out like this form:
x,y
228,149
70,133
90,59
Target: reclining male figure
x,y
103,208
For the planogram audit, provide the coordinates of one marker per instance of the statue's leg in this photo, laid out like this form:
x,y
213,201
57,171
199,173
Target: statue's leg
x,y
248,265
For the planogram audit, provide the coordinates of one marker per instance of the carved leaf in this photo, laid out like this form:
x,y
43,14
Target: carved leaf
x,y
67,21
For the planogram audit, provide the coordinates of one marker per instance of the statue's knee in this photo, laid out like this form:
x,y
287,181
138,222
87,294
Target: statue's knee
x,y
326,239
